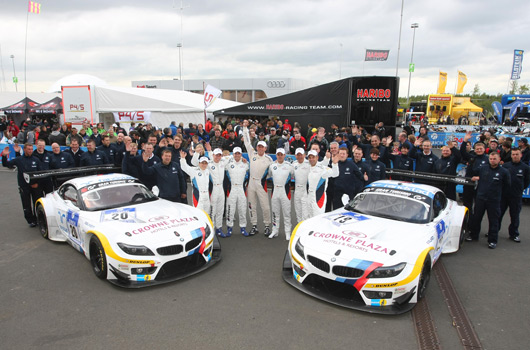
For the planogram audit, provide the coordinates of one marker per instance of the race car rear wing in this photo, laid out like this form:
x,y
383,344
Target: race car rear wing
x,y
58,176
466,181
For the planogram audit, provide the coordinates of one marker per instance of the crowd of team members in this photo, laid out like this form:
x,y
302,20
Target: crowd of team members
x,y
329,169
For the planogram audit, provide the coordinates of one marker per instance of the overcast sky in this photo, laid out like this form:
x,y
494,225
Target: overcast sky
x,y
316,40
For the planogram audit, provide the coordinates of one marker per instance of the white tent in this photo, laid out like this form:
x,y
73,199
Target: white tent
x,y
165,105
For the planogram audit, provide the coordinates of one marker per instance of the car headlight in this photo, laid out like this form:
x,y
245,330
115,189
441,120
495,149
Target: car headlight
x,y
299,248
207,231
135,249
387,271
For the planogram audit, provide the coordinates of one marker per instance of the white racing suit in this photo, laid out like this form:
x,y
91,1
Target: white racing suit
x,y
281,175
217,195
317,182
200,181
301,170
236,181
257,186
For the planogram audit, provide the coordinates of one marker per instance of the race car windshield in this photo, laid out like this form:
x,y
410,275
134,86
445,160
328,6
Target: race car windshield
x,y
116,196
390,207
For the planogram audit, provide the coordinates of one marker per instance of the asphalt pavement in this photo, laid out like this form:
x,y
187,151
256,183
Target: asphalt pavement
x,y
50,299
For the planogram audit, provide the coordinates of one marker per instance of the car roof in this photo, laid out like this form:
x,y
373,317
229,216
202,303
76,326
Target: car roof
x,y
426,190
94,179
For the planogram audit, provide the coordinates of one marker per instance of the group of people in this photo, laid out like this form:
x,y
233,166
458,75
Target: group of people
x,y
328,170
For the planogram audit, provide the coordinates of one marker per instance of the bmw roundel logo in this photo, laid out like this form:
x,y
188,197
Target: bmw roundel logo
x,y
213,167
296,168
200,174
275,168
347,169
434,136
333,259
254,158
233,166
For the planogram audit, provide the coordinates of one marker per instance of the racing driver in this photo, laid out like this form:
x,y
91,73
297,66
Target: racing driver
x,y
257,188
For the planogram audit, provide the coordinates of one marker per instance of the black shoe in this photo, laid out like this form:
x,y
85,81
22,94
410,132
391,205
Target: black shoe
x,y
267,232
254,230
492,245
515,239
468,239
33,224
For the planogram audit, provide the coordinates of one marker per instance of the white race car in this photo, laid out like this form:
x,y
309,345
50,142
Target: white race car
x,y
376,253
131,237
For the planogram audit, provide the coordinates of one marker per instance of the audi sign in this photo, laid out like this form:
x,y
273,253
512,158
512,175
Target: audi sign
x,y
276,84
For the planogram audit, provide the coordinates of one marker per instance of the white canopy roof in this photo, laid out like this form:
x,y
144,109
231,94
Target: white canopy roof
x,y
118,99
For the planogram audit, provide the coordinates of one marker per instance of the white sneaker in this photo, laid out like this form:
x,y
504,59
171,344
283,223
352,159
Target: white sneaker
x,y
273,234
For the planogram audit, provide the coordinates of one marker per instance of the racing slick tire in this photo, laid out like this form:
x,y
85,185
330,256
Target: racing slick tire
x,y
463,231
98,258
41,220
425,277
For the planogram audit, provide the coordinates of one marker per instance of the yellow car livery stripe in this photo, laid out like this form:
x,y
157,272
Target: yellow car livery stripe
x,y
209,219
110,252
293,234
413,275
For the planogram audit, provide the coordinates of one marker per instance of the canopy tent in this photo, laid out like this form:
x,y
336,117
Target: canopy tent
x,y
164,106
467,106
20,107
52,106
76,80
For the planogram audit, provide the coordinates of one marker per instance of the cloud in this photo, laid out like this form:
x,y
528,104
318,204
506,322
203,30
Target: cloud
x,y
121,41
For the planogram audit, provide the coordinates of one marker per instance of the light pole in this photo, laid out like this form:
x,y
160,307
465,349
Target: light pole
x,y
411,65
399,39
179,45
340,62
15,79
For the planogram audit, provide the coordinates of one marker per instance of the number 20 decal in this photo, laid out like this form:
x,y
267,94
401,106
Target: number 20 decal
x,y
120,216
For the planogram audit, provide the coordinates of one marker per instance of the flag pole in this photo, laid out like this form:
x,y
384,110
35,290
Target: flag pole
x,y
456,82
25,54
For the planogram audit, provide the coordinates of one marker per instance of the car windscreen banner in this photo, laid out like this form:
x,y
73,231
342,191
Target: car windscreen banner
x,y
376,55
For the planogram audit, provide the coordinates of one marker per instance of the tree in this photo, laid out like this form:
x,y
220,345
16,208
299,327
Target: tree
x,y
476,90
514,87
524,89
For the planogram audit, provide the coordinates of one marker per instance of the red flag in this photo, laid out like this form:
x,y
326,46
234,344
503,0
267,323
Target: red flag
x,y
34,7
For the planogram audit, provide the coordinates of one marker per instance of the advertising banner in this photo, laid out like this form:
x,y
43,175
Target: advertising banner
x,y
77,102
517,66
132,117
462,80
376,55
513,110
442,82
210,94
497,110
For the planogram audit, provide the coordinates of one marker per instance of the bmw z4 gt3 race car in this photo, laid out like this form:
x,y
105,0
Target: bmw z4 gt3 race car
x,y
376,253
131,237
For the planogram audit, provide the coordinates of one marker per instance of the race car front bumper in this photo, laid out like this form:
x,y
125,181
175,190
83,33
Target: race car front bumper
x,y
354,303
171,271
